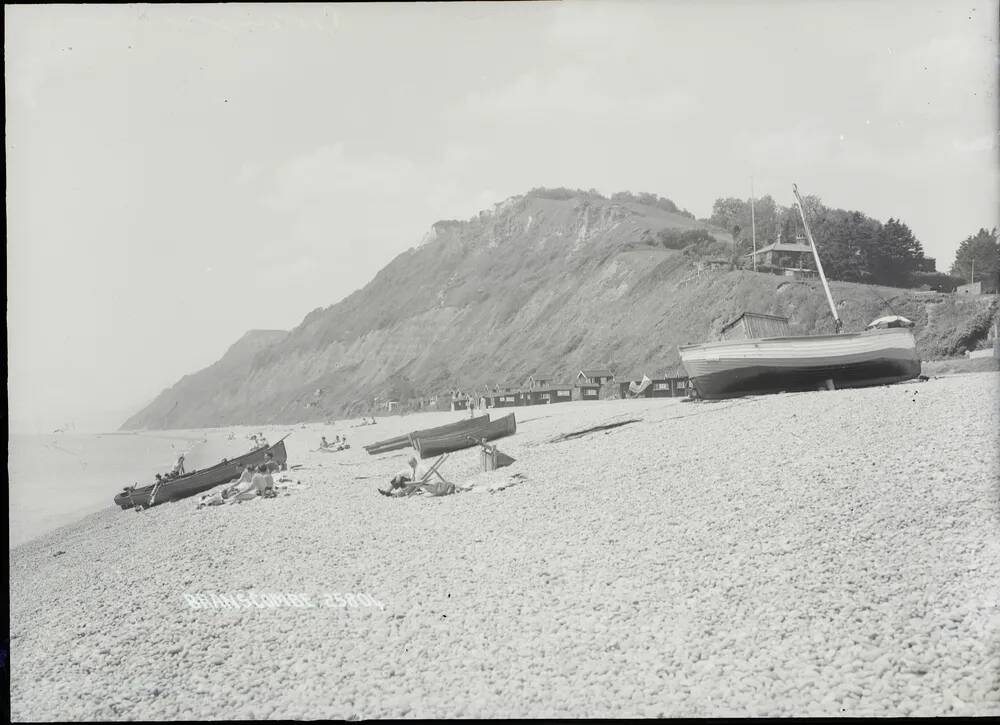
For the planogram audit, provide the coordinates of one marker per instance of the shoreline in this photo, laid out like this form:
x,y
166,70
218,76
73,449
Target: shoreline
x,y
807,553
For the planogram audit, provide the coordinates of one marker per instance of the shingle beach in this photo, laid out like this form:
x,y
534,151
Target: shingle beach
x,y
833,553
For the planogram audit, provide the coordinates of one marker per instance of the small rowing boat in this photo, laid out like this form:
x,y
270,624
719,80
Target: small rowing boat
x,y
435,445
197,482
403,441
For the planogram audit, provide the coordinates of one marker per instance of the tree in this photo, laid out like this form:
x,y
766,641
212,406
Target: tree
x,y
981,250
896,255
727,213
844,240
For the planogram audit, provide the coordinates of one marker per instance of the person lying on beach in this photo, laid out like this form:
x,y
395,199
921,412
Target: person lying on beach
x,y
221,496
415,472
247,490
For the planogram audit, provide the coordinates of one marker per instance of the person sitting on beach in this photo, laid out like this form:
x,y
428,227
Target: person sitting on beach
x,y
270,465
246,490
270,491
415,472
222,495
324,443
262,441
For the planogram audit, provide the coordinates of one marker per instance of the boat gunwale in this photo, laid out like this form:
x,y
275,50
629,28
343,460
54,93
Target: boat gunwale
x,y
842,336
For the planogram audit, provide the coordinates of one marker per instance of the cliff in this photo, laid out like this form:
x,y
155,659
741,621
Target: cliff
x,y
546,282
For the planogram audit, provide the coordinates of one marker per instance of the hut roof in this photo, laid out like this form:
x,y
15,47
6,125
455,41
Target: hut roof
x,y
784,247
677,371
597,373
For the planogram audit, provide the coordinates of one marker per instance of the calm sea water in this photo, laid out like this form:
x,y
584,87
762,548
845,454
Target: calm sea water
x,y
58,478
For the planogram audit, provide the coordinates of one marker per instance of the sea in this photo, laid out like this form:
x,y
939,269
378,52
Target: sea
x,y
58,478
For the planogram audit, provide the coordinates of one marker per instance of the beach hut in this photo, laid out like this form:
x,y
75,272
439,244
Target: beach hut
x,y
560,392
504,400
588,391
595,376
753,324
672,383
538,381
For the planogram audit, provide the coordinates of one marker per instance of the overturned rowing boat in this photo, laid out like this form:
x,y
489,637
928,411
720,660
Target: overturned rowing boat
x,y
403,441
199,481
429,445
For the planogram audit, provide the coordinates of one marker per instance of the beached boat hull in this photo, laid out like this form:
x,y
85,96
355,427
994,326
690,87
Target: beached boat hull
x,y
789,364
199,481
403,441
436,445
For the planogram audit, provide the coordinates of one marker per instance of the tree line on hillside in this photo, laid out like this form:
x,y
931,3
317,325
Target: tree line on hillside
x,y
620,197
978,260
853,246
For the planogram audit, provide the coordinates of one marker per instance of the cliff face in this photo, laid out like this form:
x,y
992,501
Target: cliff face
x,y
195,396
537,284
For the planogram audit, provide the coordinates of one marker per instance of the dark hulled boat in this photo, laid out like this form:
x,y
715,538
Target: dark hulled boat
x,y
403,441
787,364
197,482
435,445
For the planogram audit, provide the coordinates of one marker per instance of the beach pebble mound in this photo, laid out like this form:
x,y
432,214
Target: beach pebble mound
x,y
823,554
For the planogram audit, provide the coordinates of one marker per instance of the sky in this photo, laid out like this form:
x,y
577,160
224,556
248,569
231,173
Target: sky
x,y
180,174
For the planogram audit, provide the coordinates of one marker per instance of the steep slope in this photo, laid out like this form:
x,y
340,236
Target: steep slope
x,y
538,283
194,397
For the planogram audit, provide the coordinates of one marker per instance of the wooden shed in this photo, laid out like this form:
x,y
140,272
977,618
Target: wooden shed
x,y
550,394
753,324
595,376
671,383
538,381
504,400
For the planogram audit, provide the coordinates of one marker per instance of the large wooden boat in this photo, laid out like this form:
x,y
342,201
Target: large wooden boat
x,y
197,482
785,364
435,445
761,364
403,441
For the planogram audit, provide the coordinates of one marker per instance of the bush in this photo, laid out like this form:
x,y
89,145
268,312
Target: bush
x,y
680,239
939,281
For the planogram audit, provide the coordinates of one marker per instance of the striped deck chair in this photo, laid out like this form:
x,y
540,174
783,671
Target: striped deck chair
x,y
440,487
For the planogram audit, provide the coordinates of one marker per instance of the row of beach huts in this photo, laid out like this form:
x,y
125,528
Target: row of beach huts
x,y
542,389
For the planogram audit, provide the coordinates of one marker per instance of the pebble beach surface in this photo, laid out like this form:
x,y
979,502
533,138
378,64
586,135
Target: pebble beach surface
x,y
829,553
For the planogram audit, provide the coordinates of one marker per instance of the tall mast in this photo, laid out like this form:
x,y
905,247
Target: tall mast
x,y
819,265
753,227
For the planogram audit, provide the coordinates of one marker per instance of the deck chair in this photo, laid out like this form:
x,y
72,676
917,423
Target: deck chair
x,y
435,488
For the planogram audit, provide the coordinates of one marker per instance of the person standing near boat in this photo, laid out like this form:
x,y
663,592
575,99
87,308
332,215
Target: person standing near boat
x,y
178,469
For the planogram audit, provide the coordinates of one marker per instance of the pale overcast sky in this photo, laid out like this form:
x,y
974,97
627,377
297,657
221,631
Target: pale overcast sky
x,y
177,175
